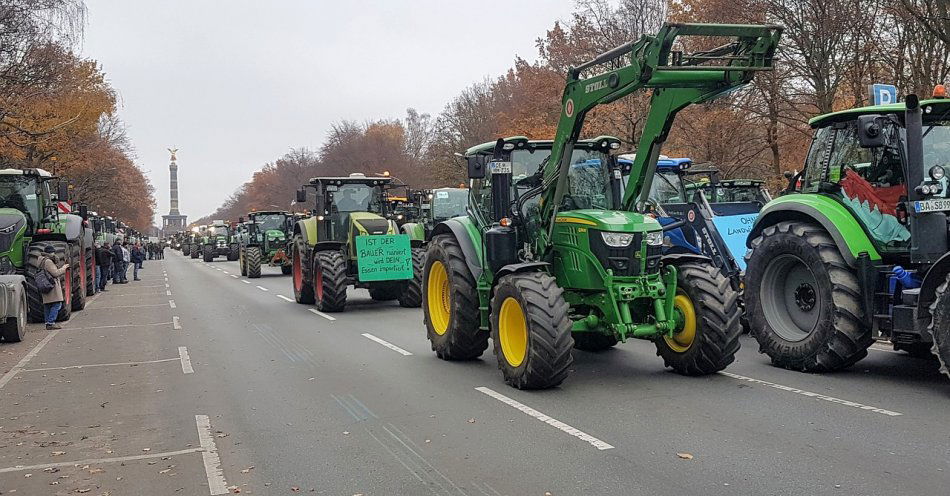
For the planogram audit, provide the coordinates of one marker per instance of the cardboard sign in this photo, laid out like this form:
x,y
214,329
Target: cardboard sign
x,y
734,230
384,257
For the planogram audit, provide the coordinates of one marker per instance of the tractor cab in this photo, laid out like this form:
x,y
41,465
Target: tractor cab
x,y
350,206
25,199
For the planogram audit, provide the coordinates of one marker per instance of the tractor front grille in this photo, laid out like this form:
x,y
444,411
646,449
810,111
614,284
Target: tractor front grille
x,y
625,261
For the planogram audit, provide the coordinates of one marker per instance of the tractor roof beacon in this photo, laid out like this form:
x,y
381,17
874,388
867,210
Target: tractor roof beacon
x,y
555,254
861,242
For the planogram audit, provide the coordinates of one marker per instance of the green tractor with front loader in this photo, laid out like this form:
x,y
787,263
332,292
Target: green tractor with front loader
x,y
858,247
434,206
350,240
263,240
219,240
553,256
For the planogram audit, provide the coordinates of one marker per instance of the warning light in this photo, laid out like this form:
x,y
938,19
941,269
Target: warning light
x,y
385,173
940,91
504,222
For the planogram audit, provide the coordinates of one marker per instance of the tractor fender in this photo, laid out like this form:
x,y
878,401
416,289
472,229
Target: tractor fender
x,y
307,228
932,280
678,258
846,231
73,227
11,291
464,231
520,267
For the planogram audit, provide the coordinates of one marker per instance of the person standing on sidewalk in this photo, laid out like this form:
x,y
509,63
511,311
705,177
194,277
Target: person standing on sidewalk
x,y
104,258
53,301
117,262
126,259
137,257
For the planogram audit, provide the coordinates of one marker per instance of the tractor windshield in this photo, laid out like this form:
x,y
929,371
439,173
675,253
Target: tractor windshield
x,y
937,145
20,192
667,187
448,203
269,222
356,198
220,230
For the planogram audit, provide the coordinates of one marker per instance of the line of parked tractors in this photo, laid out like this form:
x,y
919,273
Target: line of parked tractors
x,y
567,244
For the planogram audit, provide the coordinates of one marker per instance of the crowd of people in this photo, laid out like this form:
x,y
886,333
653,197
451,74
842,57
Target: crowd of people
x,y
112,262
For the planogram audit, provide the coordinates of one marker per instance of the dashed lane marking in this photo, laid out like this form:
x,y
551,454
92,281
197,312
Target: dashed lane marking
x,y
262,288
226,272
97,461
176,323
810,394
245,282
282,297
168,293
387,344
209,455
234,276
557,424
171,303
317,312
185,360
91,365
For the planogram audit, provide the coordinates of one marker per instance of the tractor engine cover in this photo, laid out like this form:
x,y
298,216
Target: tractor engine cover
x,y
501,245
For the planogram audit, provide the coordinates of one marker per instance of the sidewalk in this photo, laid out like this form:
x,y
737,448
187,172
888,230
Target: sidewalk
x,y
102,406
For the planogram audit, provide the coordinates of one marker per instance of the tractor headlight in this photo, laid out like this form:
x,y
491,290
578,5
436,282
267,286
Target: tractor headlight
x,y
617,240
655,238
937,173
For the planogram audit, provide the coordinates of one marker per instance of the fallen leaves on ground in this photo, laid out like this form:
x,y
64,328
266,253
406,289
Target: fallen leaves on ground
x,y
685,456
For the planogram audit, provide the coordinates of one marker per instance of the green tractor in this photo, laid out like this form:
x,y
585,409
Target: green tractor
x,y
263,239
219,240
349,240
30,220
857,247
194,241
553,256
434,206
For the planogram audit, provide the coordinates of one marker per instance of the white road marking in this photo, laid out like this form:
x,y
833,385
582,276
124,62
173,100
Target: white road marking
x,y
176,323
386,344
116,364
810,394
217,269
234,276
171,303
166,285
119,326
97,461
282,297
317,312
262,288
226,272
168,293
185,360
557,424
19,366
245,282
209,455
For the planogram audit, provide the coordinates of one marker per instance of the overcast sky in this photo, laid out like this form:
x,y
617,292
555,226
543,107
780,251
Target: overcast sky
x,y
235,84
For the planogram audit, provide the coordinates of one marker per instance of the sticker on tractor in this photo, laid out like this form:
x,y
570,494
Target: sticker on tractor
x,y
569,108
441,194
734,230
384,257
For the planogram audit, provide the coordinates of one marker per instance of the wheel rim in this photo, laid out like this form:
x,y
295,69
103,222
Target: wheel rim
x,y
298,275
790,297
439,298
685,333
513,332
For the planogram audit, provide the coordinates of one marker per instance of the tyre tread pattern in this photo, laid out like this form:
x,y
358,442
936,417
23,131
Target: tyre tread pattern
x,y
411,296
464,339
333,266
939,327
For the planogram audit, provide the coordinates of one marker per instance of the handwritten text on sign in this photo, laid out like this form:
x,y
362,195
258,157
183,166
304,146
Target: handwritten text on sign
x,y
384,258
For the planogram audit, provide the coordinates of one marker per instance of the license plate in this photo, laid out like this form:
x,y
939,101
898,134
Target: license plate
x,y
932,205
500,167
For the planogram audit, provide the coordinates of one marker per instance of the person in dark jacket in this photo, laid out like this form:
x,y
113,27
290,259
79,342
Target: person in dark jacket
x,y
104,258
53,301
137,257
117,262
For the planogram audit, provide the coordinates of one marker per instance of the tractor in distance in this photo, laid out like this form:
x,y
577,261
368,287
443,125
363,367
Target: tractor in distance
x,y
552,255
219,240
434,206
30,220
857,247
263,240
349,240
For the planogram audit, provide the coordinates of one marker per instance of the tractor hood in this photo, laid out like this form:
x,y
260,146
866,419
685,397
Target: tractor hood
x,y
369,223
12,221
609,220
274,234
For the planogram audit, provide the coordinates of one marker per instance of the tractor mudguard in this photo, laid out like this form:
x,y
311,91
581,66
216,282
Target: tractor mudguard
x,y
329,245
307,228
11,295
848,234
465,232
932,280
72,226
520,267
416,232
677,258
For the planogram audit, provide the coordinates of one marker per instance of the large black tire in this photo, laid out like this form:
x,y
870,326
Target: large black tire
x,y
33,296
233,253
195,251
252,261
384,292
302,280
14,329
795,271
940,325
594,341
712,326
242,262
531,330
286,269
411,295
330,281
78,265
207,251
451,313
91,272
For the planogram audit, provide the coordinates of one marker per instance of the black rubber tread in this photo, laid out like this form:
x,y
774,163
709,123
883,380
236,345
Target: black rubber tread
x,y
718,322
917,350
242,262
194,251
939,327
303,293
384,292
463,338
13,330
252,262
411,296
332,265
593,341
550,343
78,284
91,272
840,339
207,252
234,253
286,269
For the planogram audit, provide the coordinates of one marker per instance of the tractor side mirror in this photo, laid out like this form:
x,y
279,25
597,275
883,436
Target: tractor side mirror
x,y
301,195
62,192
788,174
476,167
240,220
84,212
870,131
